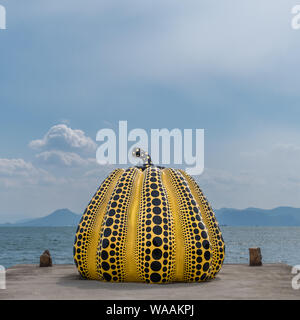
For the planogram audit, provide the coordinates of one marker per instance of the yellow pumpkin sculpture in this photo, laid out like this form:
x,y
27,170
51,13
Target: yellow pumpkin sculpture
x,y
148,224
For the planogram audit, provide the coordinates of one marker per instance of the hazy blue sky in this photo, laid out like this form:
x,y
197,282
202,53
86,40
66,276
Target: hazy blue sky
x,y
74,67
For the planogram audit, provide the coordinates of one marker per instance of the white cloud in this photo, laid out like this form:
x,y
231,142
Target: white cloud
x,y
67,159
62,137
226,179
172,41
100,171
288,148
284,149
18,172
178,42
19,167
263,177
278,160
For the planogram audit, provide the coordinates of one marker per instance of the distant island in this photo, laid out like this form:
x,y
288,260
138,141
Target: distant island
x,y
58,218
280,216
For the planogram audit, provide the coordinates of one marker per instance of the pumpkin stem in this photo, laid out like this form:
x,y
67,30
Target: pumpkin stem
x,y
139,153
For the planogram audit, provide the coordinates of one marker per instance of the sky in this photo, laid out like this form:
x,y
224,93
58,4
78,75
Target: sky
x,y
70,68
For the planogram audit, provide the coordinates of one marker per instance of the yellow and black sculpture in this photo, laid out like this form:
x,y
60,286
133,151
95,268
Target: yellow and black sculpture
x,y
148,224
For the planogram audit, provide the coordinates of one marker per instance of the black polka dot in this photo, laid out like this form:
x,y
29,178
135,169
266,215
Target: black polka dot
x,y
157,242
107,276
157,230
203,234
107,232
155,265
205,244
205,266
156,254
156,202
207,255
157,210
109,222
203,276
105,243
111,212
155,277
157,219
201,225
105,266
154,193
104,255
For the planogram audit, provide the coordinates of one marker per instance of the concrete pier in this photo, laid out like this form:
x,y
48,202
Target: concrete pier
x,y
271,281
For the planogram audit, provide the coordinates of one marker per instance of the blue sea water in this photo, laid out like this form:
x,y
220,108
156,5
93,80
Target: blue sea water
x,y
20,245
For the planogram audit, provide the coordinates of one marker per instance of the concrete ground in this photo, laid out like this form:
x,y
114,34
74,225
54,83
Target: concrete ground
x,y
271,281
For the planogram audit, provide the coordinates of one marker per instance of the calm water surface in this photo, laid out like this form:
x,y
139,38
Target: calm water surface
x,y
25,245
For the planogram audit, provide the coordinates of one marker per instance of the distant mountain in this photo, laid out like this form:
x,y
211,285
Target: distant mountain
x,y
58,218
280,216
